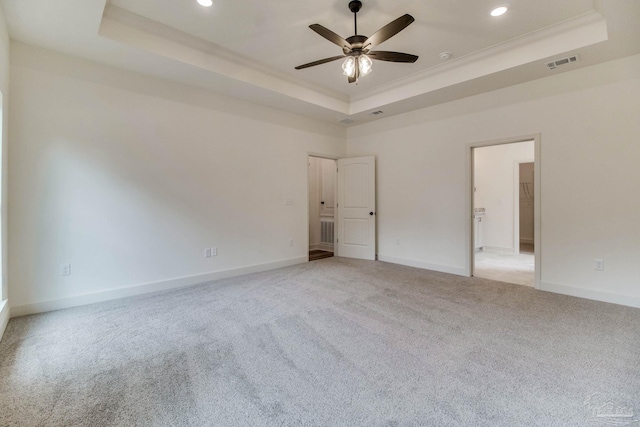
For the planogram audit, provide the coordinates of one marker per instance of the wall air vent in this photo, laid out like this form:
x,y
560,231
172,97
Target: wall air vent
x,y
564,61
346,121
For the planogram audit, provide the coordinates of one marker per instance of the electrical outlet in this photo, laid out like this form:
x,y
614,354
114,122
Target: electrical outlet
x,y
598,264
214,251
65,269
207,253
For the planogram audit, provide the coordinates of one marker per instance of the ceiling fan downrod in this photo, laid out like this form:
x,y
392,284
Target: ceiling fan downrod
x,y
354,6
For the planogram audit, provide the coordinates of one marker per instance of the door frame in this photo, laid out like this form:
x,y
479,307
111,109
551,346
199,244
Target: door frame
x,y
335,199
537,201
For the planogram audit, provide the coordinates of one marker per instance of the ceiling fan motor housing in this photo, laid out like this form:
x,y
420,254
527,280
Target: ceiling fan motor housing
x,y
357,43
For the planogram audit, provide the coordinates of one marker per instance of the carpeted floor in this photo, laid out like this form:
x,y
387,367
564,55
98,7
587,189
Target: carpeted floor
x,y
335,342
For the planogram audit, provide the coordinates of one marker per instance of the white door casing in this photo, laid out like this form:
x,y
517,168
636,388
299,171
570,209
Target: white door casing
x,y
356,236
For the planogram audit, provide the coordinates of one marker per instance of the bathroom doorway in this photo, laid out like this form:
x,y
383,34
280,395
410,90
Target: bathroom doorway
x,y
503,212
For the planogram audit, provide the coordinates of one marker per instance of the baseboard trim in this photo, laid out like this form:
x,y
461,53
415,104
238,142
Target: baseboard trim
x,y
591,294
179,282
4,317
424,265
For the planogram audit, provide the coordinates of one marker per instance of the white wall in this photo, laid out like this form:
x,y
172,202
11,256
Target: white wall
x,y
4,117
496,180
589,127
130,178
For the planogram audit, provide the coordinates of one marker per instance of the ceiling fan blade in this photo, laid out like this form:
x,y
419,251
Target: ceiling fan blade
x,y
382,55
331,36
388,31
321,61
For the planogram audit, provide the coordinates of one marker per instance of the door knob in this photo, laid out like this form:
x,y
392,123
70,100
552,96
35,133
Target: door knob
x,y
370,213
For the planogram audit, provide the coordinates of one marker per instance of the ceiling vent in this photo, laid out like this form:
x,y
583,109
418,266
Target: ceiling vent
x,y
346,121
564,61
377,113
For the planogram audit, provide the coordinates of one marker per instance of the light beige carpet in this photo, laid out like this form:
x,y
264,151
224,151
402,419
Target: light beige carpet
x,y
334,342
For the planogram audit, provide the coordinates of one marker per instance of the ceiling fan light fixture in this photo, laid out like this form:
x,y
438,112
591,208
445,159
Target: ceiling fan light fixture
x,y
362,64
205,3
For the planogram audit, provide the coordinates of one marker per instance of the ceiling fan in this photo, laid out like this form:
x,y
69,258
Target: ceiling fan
x,y
357,49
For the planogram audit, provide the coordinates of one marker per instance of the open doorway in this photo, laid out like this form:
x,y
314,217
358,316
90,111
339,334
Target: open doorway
x,y
322,207
503,212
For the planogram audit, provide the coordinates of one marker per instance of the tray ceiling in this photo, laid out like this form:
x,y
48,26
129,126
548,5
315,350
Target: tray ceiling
x,y
249,48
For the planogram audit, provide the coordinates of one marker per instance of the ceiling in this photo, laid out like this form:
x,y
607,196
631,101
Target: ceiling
x,y
248,48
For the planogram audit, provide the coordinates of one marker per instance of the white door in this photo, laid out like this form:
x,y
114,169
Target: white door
x,y
356,237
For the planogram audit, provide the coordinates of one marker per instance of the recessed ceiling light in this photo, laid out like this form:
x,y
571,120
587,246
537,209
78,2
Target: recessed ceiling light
x,y
499,11
205,3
